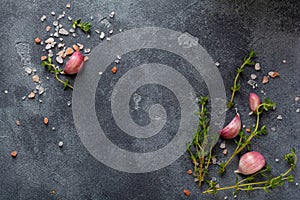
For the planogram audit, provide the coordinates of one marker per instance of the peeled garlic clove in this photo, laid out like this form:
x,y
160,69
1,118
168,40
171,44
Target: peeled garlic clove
x,y
75,63
232,129
250,163
254,102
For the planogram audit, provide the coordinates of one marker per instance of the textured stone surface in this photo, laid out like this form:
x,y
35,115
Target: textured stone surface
x,y
227,29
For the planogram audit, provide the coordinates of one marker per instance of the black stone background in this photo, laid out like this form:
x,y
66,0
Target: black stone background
x,y
227,29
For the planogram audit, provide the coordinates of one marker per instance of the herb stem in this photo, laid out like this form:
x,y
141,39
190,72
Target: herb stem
x,y
236,87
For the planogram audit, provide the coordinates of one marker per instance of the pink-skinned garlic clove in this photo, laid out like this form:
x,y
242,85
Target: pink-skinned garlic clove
x,y
232,129
250,163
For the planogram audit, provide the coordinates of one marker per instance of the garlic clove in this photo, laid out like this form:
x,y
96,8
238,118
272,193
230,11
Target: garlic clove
x,y
254,102
250,163
75,63
232,129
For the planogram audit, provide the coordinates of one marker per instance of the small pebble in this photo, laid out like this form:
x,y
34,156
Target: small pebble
x,y
112,14
111,31
53,128
47,77
265,79
55,23
284,61
226,197
71,30
69,18
55,34
257,66
37,40
97,31
50,40
279,117
296,184
253,76
108,38
75,47
60,45
60,144
214,160
225,151
43,18
252,83
28,70
80,46
31,95
46,120
298,110
100,73
23,98
119,57
102,35
69,51
187,193
273,129
68,103
18,123
273,74
41,90
117,61
244,126
223,145
40,100
87,50
52,13
50,53
73,34
59,60
196,180
235,196
114,70
86,58
14,154
217,64
297,99
36,78
213,179
189,172
48,28
68,5
276,160
63,31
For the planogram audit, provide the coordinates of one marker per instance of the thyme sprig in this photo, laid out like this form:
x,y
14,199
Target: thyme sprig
x,y
248,183
84,26
197,149
52,69
244,140
236,87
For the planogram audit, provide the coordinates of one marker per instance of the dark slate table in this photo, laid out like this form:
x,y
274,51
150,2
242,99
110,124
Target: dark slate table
x,y
226,29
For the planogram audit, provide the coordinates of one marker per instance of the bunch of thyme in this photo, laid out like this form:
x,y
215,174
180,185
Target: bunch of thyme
x,y
198,147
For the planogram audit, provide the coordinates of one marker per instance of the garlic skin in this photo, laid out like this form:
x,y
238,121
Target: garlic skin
x,y
250,163
75,63
254,102
232,129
